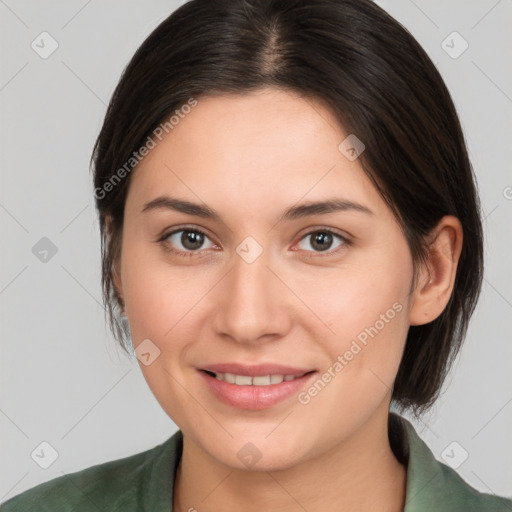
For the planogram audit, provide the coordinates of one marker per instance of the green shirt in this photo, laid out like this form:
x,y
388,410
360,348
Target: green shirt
x,y
144,482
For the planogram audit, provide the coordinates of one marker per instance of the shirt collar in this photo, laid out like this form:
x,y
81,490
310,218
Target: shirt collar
x,y
431,485
158,484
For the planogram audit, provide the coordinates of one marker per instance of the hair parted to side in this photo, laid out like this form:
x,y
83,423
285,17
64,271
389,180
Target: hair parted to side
x,y
378,82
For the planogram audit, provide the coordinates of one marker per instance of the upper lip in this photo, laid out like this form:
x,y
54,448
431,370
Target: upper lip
x,y
255,370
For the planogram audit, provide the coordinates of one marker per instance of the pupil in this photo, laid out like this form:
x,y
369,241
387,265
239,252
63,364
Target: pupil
x,y
322,241
192,240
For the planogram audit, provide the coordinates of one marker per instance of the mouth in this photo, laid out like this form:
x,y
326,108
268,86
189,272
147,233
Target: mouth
x,y
254,387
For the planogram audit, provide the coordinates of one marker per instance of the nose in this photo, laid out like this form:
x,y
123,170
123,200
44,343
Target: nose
x,y
253,303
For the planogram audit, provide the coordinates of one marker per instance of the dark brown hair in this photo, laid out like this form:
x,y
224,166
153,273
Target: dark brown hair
x,y
375,78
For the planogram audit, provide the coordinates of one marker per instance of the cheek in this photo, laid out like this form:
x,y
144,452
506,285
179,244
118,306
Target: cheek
x,y
159,302
368,313
155,303
349,300
366,309
152,293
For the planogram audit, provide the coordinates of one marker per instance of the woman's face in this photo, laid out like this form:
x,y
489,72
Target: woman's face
x,y
318,291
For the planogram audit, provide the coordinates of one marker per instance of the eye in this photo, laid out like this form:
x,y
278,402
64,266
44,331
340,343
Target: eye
x,y
188,242
185,241
322,240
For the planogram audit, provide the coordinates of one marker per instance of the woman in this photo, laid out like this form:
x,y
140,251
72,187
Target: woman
x,y
291,231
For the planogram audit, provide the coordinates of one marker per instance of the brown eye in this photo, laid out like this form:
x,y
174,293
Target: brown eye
x,y
322,240
187,240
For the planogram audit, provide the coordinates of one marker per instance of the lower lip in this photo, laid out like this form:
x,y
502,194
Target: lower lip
x,y
254,397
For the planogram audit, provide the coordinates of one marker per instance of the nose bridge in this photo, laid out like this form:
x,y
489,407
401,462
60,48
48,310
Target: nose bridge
x,y
251,305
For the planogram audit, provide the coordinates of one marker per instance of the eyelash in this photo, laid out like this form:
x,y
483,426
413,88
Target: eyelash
x,y
188,254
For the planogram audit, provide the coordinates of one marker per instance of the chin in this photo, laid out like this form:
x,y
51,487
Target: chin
x,y
258,452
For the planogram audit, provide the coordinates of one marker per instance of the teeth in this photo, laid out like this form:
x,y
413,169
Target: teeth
x,y
243,380
228,377
262,380
276,379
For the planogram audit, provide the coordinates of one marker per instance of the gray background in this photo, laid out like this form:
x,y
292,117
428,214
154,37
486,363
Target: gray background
x,y
63,380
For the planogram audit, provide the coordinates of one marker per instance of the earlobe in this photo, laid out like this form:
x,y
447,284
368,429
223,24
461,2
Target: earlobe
x,y
436,280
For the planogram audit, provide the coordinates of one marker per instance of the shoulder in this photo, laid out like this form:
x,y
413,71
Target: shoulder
x,y
468,499
433,486
94,487
118,485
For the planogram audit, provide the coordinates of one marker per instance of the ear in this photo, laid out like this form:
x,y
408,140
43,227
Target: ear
x,y
116,270
435,283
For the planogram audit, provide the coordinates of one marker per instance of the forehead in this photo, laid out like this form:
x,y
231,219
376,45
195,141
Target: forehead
x,y
262,148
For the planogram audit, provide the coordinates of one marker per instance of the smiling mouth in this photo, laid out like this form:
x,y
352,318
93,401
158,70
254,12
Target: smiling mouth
x,y
260,380
265,388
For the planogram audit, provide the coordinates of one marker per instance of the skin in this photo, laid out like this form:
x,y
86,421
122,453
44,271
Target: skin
x,y
250,157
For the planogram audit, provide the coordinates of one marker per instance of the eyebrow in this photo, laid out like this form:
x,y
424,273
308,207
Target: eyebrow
x,y
292,213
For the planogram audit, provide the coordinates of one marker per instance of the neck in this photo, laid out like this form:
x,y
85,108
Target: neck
x,y
361,473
